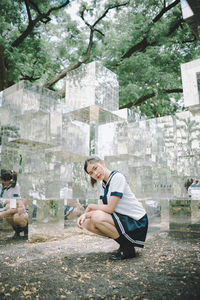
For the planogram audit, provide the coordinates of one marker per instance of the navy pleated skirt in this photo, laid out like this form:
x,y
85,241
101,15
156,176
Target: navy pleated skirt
x,y
133,231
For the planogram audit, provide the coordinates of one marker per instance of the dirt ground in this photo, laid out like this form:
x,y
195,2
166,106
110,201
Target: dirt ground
x,y
78,267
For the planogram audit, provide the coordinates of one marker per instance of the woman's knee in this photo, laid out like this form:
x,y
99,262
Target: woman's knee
x,y
20,220
9,220
97,217
88,225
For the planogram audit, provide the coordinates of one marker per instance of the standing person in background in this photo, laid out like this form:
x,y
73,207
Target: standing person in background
x,y
35,207
16,216
188,185
118,214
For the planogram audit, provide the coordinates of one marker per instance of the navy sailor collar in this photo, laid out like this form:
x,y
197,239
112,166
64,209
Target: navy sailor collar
x,y
5,189
106,184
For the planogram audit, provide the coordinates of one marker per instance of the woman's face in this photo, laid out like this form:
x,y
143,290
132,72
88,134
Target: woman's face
x,y
96,170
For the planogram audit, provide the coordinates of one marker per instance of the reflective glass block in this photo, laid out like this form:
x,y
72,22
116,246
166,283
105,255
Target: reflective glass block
x,y
94,114
75,136
27,97
173,215
107,140
13,219
47,141
92,84
190,78
29,117
46,220
82,129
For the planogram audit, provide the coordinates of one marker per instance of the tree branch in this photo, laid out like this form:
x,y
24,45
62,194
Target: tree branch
x,y
102,16
29,78
90,44
3,75
73,66
107,10
175,26
139,47
164,10
28,11
47,18
171,91
40,18
142,45
142,99
97,30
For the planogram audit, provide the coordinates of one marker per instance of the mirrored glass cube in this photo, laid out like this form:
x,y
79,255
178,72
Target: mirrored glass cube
x,y
92,84
46,220
190,79
26,97
29,116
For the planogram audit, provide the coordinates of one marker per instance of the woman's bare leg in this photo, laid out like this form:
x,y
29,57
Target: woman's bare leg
x,y
90,227
10,221
101,223
20,220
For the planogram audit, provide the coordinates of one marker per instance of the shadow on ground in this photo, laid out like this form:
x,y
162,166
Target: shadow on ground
x,y
78,267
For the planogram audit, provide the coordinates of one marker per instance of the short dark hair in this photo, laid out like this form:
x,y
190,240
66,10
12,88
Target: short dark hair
x,y
89,160
9,175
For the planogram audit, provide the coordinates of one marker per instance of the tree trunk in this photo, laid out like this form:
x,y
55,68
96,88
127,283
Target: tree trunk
x,y
3,75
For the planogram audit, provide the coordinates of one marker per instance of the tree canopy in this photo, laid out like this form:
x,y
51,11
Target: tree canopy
x,y
143,42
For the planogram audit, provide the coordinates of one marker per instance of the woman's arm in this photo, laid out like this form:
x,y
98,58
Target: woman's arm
x,y
108,208
8,212
100,201
82,219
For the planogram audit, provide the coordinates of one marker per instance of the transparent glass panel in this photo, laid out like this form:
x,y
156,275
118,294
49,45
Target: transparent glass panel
x,y
46,220
46,141
92,84
198,84
173,215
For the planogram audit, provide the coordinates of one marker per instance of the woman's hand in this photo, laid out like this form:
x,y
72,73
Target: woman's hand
x,y
81,220
91,207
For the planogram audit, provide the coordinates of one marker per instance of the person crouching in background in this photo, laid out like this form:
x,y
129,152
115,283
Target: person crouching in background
x,y
15,209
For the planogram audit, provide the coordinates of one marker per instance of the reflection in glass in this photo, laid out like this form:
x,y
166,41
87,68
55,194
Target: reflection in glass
x,y
14,209
92,84
46,219
173,215
47,140
198,84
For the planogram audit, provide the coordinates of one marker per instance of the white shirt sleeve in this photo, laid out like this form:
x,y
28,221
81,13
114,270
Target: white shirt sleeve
x,y
117,185
12,191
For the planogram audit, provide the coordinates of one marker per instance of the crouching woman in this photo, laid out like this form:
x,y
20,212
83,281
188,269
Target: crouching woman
x,y
16,216
118,214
